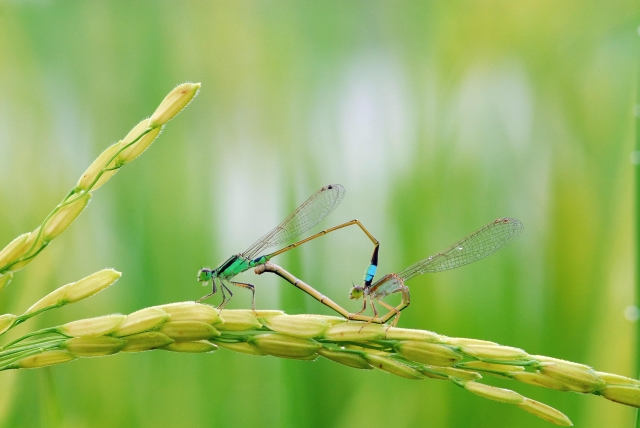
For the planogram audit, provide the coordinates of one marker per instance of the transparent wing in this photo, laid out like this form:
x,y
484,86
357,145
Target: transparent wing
x,y
474,247
307,215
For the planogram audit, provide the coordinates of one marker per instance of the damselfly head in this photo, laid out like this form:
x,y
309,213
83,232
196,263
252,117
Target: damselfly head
x,y
204,274
356,292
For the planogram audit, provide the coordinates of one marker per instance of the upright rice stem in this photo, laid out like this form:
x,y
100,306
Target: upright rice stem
x,y
636,163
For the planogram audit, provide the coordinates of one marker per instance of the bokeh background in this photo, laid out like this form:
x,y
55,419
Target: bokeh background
x,y
437,117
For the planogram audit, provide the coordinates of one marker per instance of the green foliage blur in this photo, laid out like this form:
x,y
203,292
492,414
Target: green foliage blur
x,y
437,117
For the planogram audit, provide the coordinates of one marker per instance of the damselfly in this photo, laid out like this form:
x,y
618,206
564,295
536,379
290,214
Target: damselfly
x,y
307,215
476,246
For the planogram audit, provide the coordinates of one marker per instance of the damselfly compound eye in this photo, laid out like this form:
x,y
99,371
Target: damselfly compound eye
x,y
204,274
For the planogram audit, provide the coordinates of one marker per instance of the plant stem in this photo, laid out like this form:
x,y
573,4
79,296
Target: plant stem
x,y
637,218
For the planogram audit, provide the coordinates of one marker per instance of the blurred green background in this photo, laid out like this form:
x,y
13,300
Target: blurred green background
x,y
437,117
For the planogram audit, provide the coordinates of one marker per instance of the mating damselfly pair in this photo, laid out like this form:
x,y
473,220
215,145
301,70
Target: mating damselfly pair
x,y
476,246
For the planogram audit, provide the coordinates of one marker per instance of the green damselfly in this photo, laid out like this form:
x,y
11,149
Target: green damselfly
x,y
476,246
307,215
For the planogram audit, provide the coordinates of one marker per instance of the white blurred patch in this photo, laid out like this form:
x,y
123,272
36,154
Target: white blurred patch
x,y
362,133
632,313
247,198
490,126
365,117
70,128
493,113
376,122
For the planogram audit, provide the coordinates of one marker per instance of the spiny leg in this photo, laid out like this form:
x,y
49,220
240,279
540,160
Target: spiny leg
x,y
224,297
395,311
406,300
375,313
373,306
253,292
214,290
364,307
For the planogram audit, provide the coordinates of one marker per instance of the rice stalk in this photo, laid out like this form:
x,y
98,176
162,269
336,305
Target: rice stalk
x,y
412,354
23,249
197,328
67,294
